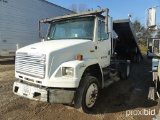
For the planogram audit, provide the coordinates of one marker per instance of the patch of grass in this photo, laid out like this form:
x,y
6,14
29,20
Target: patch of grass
x,y
143,48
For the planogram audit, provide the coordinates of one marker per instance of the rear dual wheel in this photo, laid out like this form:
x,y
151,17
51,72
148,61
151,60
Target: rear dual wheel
x,y
126,72
136,58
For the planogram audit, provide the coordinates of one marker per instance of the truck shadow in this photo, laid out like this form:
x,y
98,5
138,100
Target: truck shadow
x,y
128,94
121,97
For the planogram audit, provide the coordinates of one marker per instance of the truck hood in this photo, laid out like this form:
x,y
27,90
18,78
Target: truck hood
x,y
53,45
60,51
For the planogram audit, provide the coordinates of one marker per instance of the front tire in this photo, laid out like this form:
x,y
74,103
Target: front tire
x,y
87,94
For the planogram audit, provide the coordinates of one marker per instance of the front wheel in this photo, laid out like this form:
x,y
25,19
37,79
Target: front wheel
x,y
87,94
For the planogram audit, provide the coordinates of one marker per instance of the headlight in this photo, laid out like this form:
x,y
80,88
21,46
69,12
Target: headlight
x,y
67,71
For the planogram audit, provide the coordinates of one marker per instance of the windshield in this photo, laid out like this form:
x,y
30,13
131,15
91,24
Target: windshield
x,y
81,28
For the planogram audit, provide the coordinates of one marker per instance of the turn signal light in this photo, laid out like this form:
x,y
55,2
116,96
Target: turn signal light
x,y
79,57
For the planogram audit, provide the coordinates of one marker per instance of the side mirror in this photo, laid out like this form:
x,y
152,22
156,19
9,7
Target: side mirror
x,y
106,21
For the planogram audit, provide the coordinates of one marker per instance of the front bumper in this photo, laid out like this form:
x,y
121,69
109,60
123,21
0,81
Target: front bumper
x,y
44,95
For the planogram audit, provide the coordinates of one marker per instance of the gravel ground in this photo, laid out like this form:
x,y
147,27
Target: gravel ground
x,y
123,100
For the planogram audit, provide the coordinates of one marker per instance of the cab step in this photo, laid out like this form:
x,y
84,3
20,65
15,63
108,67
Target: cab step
x,y
113,78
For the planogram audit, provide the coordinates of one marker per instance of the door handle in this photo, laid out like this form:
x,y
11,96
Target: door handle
x,y
109,52
91,50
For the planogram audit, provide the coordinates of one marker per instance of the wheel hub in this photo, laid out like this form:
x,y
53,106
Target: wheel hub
x,y
91,95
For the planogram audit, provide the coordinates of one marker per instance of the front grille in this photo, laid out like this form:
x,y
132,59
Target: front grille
x,y
32,65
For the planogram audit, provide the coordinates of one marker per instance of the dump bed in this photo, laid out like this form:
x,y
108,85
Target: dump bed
x,y
125,32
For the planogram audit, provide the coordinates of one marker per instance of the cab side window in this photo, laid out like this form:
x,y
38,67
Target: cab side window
x,y
101,31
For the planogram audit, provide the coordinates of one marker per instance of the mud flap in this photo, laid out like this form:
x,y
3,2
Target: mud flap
x,y
151,95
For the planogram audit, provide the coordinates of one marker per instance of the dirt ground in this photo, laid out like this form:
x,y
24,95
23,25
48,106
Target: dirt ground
x,y
123,100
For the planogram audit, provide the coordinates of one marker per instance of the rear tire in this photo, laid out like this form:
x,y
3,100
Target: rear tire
x,y
133,58
87,94
138,57
125,74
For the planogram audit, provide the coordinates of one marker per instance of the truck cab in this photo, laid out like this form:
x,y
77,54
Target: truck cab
x,y
153,47
154,54
72,64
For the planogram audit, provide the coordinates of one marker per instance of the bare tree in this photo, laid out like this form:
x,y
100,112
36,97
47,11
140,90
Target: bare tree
x,y
78,8
142,34
73,7
82,8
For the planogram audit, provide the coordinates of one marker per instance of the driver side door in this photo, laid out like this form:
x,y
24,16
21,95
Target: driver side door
x,y
103,45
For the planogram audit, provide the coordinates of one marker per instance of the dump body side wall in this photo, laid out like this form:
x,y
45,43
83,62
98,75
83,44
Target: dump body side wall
x,y
125,32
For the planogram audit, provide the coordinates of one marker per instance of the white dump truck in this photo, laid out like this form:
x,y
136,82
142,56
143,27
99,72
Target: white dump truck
x,y
18,22
75,61
153,52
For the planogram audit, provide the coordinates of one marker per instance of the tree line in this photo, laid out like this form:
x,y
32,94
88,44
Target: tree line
x,y
142,33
